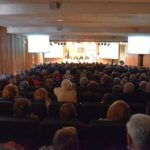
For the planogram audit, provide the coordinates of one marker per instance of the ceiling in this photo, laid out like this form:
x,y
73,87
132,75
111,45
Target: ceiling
x,y
81,20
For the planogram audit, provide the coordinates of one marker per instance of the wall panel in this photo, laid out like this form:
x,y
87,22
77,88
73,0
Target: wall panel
x,y
146,60
13,52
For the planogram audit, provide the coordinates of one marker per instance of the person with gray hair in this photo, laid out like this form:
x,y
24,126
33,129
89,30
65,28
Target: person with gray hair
x,y
138,132
142,85
129,93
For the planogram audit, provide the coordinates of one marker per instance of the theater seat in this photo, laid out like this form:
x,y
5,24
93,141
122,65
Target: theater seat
x,y
148,108
49,127
39,109
106,135
91,111
23,131
6,107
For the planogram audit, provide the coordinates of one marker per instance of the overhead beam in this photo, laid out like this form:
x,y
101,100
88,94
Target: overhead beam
x,y
89,38
78,7
47,1
81,30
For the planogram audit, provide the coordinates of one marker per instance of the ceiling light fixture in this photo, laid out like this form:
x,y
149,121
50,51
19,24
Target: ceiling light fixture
x,y
59,20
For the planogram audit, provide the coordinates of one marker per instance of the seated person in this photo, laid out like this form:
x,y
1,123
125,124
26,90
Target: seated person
x,y
107,98
138,132
64,139
83,82
129,94
23,86
92,93
118,111
68,75
67,112
41,95
10,92
66,93
22,109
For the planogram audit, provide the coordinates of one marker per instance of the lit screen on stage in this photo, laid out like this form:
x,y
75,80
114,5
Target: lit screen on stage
x,y
139,44
55,51
109,50
38,43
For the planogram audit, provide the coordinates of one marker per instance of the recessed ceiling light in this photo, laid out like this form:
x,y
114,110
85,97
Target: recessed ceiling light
x,y
59,20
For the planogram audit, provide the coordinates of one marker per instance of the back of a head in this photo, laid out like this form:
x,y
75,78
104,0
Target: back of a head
x,y
66,84
118,111
138,128
107,98
67,112
133,78
128,88
116,81
147,89
67,72
93,86
23,85
21,107
65,139
12,81
40,94
117,89
142,85
83,81
10,91
49,82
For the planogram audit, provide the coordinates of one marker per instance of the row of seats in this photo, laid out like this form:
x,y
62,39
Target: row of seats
x,y
86,111
97,135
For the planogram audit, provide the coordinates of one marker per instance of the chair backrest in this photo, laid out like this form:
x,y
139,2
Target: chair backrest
x,y
6,107
49,127
147,111
53,110
23,131
137,108
39,109
91,111
105,134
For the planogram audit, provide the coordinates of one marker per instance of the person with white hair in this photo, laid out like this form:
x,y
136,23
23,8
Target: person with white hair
x,y
68,75
66,93
138,132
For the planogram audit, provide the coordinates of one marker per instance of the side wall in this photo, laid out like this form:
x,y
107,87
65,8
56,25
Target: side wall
x,y
13,52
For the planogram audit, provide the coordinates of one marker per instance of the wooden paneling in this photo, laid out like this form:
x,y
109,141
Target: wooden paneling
x,y
131,60
13,52
146,60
